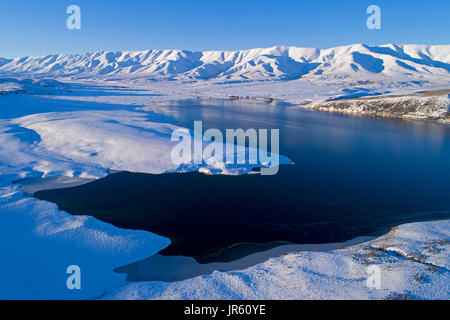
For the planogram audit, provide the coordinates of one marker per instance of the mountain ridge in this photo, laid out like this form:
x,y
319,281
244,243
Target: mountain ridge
x,y
278,63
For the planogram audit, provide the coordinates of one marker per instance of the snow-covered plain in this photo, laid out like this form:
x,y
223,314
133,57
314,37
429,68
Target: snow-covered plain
x,y
85,115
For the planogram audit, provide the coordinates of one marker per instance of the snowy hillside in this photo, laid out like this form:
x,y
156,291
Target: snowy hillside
x,y
287,63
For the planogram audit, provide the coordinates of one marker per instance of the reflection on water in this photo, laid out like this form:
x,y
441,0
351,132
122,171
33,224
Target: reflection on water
x,y
353,176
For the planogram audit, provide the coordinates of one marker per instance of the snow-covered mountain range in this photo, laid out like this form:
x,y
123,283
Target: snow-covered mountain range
x,y
280,63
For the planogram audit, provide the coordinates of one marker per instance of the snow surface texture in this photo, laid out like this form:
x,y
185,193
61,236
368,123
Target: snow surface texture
x,y
413,261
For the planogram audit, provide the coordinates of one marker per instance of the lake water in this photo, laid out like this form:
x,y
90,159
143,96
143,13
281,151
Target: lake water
x,y
353,176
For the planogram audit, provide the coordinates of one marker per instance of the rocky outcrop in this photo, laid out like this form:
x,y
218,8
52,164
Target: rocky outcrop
x,y
429,106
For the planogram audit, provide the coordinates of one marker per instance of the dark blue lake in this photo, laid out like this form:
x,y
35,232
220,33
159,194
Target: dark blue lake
x,y
353,176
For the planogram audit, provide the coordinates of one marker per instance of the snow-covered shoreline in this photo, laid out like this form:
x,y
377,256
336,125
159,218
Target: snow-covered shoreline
x,y
428,106
174,269
413,262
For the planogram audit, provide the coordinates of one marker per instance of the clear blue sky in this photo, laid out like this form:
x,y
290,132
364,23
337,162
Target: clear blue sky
x,y
30,27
